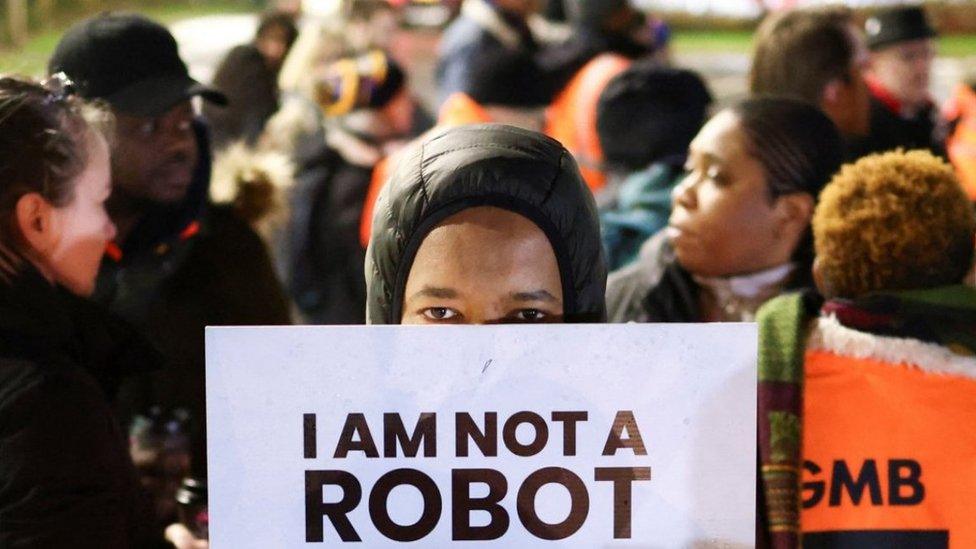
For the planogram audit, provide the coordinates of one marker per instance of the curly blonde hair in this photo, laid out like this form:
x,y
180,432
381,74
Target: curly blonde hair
x,y
893,221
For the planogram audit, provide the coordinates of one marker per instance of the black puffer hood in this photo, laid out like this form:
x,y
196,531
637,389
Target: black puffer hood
x,y
486,165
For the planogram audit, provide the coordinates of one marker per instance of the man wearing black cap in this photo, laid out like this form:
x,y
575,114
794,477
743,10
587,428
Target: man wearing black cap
x,y
178,263
902,45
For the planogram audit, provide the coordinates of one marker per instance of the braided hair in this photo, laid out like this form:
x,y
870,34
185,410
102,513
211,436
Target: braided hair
x,y
798,146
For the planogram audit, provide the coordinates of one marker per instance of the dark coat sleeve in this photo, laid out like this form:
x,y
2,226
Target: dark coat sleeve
x,y
233,263
65,478
338,251
325,257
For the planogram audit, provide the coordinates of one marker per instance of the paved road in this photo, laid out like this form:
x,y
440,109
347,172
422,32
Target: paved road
x,y
204,41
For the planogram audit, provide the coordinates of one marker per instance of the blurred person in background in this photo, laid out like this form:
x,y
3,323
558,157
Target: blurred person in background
x,y
877,382
645,121
177,263
903,114
366,27
739,230
492,33
571,119
66,479
817,55
960,115
248,77
485,224
369,116
614,26
372,24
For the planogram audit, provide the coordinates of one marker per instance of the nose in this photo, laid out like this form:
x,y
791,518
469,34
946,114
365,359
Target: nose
x,y
110,230
685,192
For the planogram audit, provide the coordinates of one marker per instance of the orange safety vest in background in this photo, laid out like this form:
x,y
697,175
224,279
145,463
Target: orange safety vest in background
x,y
961,143
459,109
889,450
571,119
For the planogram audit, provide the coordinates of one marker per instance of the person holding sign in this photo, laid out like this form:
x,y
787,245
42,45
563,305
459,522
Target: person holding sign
x,y
883,435
739,231
485,224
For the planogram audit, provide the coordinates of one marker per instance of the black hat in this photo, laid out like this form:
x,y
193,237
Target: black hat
x,y
897,25
594,13
649,112
129,61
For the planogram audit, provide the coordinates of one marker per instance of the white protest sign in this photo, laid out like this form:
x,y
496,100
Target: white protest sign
x,y
484,436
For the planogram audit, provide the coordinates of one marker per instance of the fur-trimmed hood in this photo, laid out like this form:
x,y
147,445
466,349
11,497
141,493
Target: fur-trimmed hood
x,y
256,183
829,335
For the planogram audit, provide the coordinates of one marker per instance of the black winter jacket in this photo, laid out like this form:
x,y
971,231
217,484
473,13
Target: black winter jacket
x,y
655,288
486,165
181,270
323,253
889,131
66,479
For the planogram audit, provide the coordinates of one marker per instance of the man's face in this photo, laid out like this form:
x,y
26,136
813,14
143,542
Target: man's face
x,y
849,104
273,45
905,70
484,265
154,158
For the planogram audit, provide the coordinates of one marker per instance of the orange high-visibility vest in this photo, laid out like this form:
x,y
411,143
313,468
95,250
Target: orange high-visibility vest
x,y
889,444
459,109
961,143
571,119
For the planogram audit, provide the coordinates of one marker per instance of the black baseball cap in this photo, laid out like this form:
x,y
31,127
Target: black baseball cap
x,y
897,25
129,61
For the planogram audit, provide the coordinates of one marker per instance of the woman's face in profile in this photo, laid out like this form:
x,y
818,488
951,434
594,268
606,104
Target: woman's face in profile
x,y
484,265
83,226
724,221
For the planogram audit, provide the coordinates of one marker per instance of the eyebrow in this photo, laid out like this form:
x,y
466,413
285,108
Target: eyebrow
x,y
538,295
437,293
711,157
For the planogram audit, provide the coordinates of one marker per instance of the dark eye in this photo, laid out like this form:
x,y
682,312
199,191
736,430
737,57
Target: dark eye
x,y
530,315
147,128
717,175
440,313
